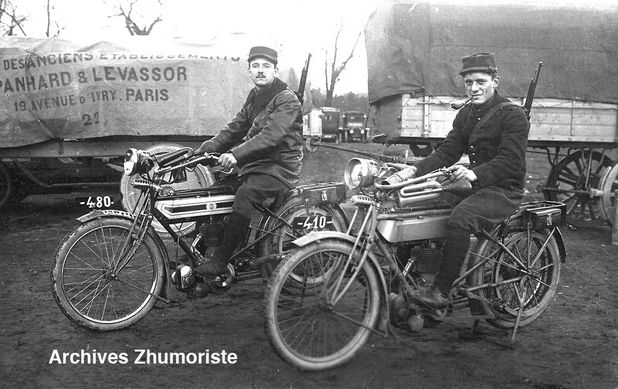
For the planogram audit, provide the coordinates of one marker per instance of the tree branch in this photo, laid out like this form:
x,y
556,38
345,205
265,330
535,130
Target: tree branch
x,y
131,25
335,70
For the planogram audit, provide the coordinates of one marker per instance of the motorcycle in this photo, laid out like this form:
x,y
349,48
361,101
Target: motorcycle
x,y
114,266
325,298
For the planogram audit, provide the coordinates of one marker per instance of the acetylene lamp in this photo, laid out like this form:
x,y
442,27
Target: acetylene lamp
x,y
360,172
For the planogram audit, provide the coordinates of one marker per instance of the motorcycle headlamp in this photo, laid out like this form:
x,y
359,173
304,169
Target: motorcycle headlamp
x,y
130,162
360,172
136,161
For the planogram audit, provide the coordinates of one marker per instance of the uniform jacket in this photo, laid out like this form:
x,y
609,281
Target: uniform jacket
x,y
497,150
271,143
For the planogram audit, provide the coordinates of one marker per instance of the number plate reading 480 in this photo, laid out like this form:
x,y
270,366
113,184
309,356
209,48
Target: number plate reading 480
x,y
312,222
95,202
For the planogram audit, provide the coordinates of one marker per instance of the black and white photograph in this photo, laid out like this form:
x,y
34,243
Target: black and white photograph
x,y
309,194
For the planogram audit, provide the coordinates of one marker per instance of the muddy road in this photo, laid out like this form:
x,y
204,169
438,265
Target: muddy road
x,y
574,344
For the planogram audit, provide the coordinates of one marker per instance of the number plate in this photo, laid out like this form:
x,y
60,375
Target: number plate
x,y
312,222
95,202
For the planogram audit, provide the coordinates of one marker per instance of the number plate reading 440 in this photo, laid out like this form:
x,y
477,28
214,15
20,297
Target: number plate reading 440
x,y
95,202
312,222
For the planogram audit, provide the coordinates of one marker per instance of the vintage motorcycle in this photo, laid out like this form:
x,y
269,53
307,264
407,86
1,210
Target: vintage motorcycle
x,y
324,299
113,267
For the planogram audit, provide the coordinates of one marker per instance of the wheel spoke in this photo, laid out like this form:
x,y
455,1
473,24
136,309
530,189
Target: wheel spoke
x,y
88,289
306,330
517,295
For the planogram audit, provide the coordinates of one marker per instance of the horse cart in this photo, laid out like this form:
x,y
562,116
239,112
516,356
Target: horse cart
x,y
413,53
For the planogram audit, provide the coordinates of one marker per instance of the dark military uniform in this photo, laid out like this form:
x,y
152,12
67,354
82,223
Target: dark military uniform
x,y
266,139
497,152
269,141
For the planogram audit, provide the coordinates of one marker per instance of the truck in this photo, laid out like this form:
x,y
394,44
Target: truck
x,y
413,60
354,125
71,110
331,124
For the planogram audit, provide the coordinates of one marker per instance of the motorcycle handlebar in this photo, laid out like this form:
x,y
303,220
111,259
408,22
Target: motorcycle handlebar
x,y
167,158
189,160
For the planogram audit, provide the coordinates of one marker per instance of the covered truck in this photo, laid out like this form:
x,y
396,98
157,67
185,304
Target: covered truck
x,y
70,111
413,56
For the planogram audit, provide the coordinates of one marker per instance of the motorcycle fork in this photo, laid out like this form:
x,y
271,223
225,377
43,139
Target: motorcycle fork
x,y
364,246
139,228
136,235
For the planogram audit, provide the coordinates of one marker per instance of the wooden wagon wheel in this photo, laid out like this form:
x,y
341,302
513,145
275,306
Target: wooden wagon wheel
x,y
609,185
576,181
6,186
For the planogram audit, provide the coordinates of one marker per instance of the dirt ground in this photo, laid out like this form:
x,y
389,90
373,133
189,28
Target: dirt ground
x,y
574,344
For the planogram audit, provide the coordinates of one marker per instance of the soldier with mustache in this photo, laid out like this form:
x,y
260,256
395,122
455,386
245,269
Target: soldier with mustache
x,y
264,140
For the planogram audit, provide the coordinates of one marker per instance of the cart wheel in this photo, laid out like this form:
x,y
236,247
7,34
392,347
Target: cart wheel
x,y
573,181
6,186
12,190
312,144
609,185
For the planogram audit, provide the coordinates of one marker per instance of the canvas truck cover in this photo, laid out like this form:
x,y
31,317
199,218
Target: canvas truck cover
x,y
54,89
416,47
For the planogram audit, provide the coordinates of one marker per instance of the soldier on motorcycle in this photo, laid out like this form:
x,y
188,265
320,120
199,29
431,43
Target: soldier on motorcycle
x,y
493,132
265,141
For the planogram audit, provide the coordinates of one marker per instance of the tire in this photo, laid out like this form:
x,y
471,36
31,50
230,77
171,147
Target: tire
x,y
281,238
537,289
304,330
106,301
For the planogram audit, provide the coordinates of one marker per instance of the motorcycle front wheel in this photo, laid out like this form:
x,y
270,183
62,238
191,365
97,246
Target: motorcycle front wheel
x,y
284,232
316,326
527,284
92,286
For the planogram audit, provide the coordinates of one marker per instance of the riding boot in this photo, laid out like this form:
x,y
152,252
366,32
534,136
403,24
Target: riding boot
x,y
454,254
235,231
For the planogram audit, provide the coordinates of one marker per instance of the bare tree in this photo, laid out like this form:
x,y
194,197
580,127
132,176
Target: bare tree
x,y
11,22
49,19
126,11
332,77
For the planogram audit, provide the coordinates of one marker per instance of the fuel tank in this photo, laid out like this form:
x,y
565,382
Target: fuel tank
x,y
195,207
414,225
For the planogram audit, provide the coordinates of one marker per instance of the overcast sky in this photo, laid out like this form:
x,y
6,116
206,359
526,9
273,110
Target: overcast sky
x,y
295,27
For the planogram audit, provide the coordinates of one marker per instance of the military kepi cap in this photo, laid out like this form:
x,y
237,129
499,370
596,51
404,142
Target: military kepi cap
x,y
480,62
263,51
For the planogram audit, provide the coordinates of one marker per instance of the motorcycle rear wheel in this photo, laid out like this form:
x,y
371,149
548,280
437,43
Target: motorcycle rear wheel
x,y
280,240
304,327
88,287
532,287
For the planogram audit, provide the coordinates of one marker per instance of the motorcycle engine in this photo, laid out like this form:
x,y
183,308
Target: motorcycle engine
x,y
426,256
212,233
